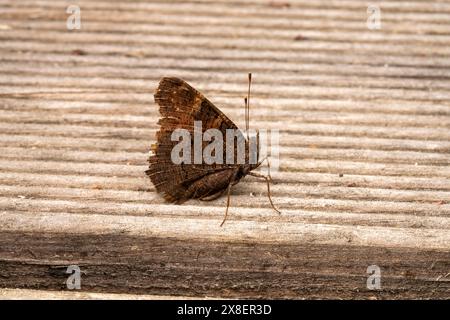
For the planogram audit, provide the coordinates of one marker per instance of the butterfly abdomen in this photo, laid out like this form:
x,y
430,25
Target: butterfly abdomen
x,y
211,184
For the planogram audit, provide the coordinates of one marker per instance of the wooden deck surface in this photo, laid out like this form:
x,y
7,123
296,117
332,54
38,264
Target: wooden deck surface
x,y
364,173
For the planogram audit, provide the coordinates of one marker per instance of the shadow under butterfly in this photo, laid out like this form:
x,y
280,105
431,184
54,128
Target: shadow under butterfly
x,y
180,106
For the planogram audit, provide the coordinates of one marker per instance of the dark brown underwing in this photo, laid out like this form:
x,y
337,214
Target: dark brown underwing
x,y
180,106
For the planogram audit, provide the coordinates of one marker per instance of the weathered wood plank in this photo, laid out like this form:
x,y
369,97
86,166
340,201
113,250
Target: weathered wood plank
x,y
118,263
30,294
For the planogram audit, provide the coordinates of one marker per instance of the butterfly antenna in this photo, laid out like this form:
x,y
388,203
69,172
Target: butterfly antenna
x,y
248,103
246,115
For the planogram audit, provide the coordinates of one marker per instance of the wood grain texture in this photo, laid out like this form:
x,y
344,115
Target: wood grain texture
x,y
364,173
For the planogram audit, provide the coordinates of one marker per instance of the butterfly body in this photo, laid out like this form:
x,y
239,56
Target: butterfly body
x,y
212,184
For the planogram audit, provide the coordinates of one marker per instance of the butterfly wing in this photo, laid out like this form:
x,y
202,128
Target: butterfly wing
x,y
180,105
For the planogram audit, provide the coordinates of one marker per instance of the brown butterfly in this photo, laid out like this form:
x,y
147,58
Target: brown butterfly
x,y
180,106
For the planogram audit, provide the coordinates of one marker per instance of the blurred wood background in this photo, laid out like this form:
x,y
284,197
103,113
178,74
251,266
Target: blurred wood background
x,y
364,173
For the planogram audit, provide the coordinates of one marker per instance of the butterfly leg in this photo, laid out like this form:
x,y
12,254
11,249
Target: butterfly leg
x,y
268,179
268,167
230,183
228,203
215,196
